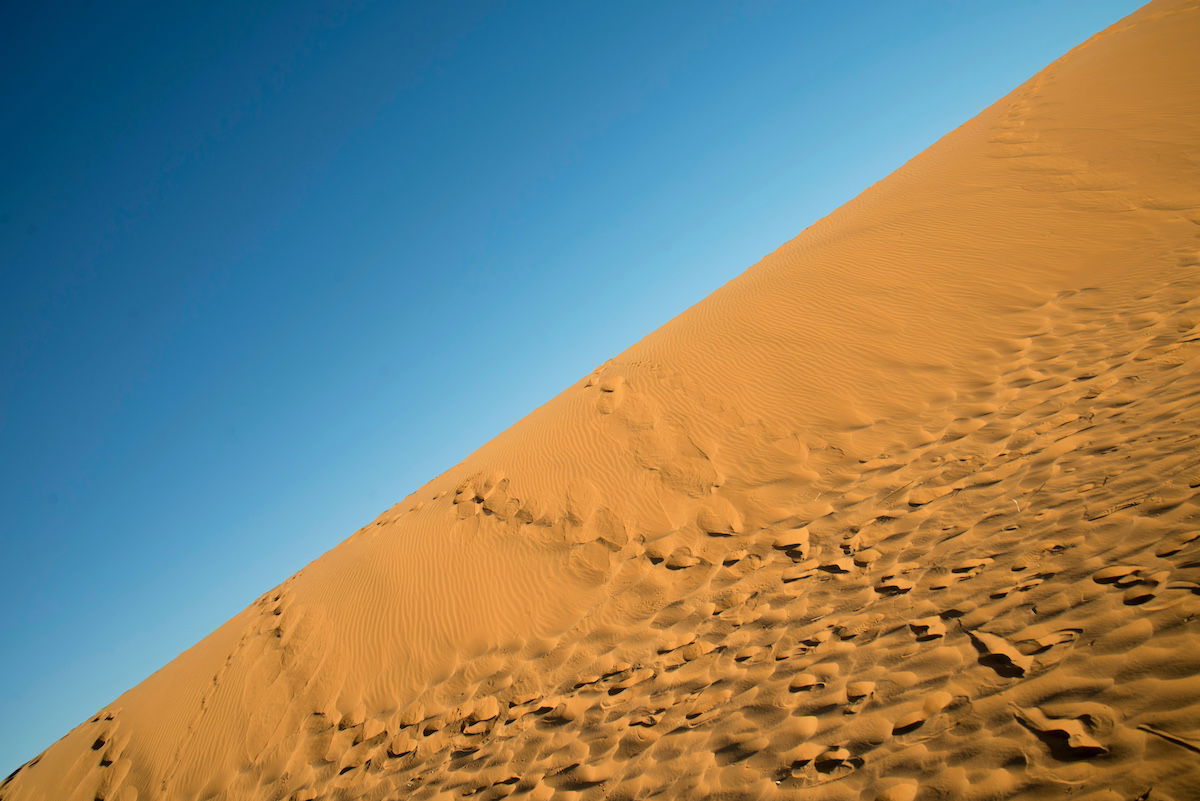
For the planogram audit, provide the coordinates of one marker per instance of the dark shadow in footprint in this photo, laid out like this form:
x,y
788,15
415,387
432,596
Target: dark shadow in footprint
x,y
908,729
990,657
830,765
1002,665
1057,743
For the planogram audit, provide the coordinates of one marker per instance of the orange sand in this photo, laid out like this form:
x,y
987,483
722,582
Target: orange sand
x,y
906,511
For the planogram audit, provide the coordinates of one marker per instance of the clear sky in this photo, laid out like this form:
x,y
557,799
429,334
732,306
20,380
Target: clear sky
x,y
266,268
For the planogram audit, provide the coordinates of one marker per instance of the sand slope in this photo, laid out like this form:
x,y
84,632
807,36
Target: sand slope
x,y
906,511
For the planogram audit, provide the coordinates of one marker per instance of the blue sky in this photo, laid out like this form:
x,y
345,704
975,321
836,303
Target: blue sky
x,y
267,268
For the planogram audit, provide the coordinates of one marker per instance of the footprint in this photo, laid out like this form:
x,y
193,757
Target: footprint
x,y
752,654
928,628
798,571
1146,589
1023,586
681,559
1001,656
647,717
837,760
1121,575
858,693
1138,588
401,746
805,683
1060,637
894,585
733,557
794,542
971,568
908,722
719,518
802,756
612,394
1173,545
838,566
867,557
1068,739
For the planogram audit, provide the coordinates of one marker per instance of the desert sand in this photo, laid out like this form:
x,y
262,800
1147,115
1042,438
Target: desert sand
x,y
906,511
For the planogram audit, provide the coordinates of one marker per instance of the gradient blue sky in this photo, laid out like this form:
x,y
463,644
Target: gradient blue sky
x,y
269,267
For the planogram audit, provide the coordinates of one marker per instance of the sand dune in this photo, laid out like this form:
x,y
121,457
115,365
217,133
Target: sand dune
x,y
906,511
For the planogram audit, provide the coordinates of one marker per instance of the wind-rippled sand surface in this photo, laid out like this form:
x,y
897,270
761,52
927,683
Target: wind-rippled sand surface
x,y
906,511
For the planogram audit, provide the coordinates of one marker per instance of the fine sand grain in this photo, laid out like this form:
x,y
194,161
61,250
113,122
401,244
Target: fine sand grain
x,y
906,511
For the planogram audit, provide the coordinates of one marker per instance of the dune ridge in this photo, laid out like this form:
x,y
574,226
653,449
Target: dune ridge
x,y
906,511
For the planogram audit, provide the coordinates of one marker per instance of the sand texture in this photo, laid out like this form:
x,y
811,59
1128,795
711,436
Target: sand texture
x,y
906,511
